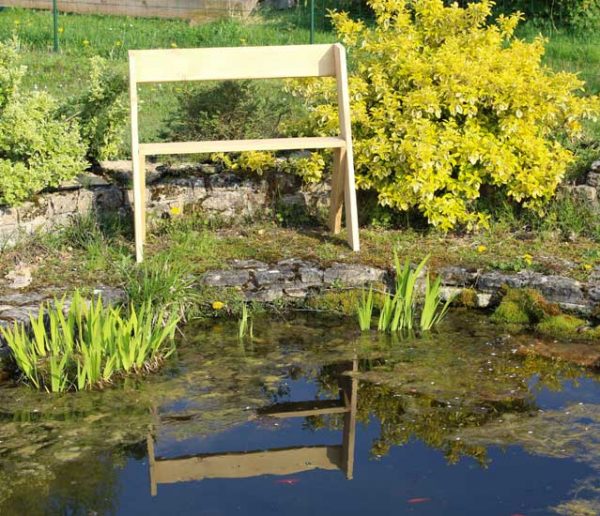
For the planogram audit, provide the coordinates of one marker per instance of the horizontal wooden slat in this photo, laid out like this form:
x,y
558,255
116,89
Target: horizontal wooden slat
x,y
303,409
204,64
153,149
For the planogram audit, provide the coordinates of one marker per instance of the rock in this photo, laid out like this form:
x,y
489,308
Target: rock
x,y
265,296
582,354
594,293
23,299
20,314
310,276
558,289
275,275
352,275
593,179
493,280
235,278
584,193
458,276
297,293
20,276
121,171
595,166
110,295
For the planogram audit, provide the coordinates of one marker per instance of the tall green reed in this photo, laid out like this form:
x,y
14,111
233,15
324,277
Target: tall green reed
x,y
398,311
86,344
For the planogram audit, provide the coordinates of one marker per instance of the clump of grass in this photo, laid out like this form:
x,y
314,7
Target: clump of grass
x,y
163,284
398,311
88,344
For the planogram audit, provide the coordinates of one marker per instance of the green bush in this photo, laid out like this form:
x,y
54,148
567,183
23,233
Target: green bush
x,y
38,148
447,108
101,111
229,110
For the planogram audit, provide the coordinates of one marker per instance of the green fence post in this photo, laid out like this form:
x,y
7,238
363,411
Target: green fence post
x,y
55,16
312,21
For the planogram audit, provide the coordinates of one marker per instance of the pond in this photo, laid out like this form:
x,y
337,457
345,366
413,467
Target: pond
x,y
312,417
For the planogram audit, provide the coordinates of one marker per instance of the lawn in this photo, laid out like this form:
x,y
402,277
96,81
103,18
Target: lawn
x,y
82,36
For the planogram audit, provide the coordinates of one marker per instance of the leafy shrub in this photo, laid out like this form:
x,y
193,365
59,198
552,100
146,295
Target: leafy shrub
x,y
38,148
447,108
89,345
101,111
229,110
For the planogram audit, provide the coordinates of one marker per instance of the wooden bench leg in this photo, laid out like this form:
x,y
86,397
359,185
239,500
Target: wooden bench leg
x,y
337,191
350,203
138,206
143,186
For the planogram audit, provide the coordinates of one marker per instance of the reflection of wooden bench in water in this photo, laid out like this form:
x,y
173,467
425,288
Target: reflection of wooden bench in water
x,y
279,461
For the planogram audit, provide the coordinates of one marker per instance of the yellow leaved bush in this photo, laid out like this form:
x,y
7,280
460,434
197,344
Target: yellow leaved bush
x,y
447,106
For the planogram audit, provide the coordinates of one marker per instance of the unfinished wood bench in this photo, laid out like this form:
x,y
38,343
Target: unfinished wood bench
x,y
273,62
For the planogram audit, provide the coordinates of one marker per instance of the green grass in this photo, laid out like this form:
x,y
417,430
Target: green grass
x,y
83,36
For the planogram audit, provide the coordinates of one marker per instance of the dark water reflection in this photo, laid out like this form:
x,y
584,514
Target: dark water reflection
x,y
312,418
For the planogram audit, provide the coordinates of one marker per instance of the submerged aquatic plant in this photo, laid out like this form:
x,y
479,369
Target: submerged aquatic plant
x,y
87,344
398,311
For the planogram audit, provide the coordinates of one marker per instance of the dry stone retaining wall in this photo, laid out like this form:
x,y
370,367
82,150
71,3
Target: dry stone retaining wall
x,y
226,195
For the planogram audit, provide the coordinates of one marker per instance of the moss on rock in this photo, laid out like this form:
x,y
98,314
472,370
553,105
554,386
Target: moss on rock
x,y
524,306
344,301
568,327
467,298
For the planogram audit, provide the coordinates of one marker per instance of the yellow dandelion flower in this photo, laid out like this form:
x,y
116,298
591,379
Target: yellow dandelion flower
x,y
218,305
587,267
481,248
528,259
175,210
118,43
173,44
85,43
61,30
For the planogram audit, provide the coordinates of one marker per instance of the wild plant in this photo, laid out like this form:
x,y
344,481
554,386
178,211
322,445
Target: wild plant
x,y
245,325
398,311
434,308
364,311
86,344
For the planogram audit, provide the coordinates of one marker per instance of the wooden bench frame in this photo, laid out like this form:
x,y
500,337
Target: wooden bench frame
x,y
292,61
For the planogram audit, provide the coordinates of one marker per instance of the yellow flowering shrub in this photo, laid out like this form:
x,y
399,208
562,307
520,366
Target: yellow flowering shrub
x,y
446,107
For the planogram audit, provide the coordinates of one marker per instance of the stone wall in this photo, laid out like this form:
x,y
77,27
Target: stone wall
x,y
298,279
170,189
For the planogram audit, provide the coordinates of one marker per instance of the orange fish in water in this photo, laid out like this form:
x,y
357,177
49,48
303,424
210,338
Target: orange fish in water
x,y
419,500
288,481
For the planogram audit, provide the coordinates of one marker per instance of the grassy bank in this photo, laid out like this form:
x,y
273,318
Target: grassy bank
x,y
82,36
91,253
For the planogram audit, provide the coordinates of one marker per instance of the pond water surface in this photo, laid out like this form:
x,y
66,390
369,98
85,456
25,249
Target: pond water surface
x,y
311,417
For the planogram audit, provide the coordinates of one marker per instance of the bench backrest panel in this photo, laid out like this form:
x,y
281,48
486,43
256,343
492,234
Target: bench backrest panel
x,y
204,64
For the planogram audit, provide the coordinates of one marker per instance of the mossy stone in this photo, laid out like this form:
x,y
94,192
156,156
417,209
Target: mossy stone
x,y
567,327
510,312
